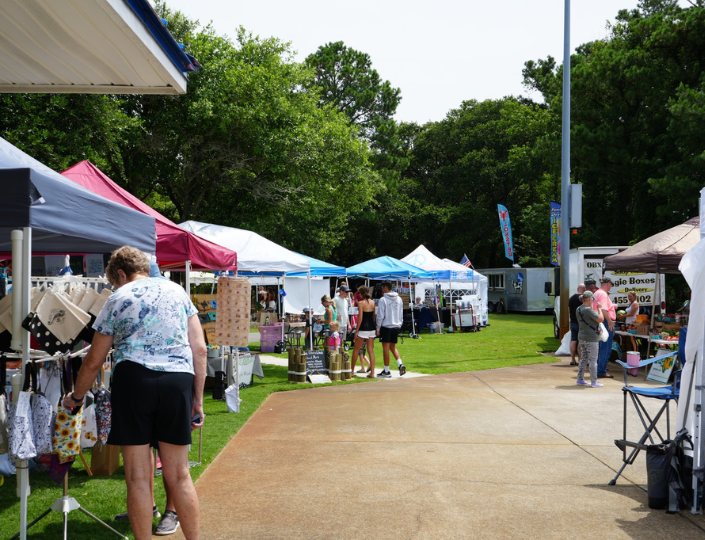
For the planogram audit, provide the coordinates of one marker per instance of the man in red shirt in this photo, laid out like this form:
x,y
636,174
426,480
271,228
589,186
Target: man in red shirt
x,y
610,314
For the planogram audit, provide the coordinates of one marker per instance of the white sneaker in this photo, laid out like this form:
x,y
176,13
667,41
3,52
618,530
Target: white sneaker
x,y
597,385
583,383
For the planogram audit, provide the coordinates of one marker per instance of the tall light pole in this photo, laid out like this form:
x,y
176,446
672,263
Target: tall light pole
x,y
565,178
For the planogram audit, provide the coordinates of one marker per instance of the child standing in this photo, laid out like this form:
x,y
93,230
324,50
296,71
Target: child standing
x,y
334,338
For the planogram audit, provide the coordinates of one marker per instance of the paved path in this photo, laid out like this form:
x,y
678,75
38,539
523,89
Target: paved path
x,y
508,453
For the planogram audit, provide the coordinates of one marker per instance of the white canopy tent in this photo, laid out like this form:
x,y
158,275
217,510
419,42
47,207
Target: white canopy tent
x,y
255,254
689,414
453,277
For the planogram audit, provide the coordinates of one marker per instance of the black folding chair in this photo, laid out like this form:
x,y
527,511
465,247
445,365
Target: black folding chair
x,y
636,393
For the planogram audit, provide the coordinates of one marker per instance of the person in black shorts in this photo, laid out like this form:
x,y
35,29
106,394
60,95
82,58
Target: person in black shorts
x,y
389,318
574,303
157,383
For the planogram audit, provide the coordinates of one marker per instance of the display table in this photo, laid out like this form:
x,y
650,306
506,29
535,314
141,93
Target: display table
x,y
249,365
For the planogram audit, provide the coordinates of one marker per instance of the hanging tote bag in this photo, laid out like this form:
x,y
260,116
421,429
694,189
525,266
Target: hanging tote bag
x,y
67,433
42,419
19,421
3,407
103,414
602,331
89,431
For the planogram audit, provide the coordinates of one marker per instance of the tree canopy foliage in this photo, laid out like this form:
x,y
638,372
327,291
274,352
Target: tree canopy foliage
x,y
309,154
637,121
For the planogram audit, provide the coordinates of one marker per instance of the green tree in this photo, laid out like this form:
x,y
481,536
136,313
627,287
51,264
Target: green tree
x,y
348,81
636,116
248,146
483,154
62,129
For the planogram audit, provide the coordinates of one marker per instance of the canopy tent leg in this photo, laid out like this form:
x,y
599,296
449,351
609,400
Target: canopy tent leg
x,y
187,279
310,316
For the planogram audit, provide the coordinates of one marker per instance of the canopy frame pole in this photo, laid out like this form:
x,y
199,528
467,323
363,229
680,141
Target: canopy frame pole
x,y
187,278
653,310
310,313
21,243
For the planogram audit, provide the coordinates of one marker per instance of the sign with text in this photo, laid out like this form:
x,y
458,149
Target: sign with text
x,y
506,227
555,233
315,362
642,284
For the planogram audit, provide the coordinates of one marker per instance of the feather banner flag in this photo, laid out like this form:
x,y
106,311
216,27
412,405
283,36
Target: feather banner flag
x,y
506,227
555,233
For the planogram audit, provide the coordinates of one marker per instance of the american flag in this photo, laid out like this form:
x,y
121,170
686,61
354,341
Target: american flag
x,y
465,261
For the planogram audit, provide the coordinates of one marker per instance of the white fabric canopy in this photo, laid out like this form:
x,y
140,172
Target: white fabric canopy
x,y
442,271
297,292
255,254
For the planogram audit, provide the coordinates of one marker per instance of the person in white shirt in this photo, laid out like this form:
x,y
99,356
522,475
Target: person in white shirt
x,y
389,318
341,301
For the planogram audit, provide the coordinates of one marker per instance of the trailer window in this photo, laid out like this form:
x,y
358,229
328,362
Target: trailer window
x,y
496,281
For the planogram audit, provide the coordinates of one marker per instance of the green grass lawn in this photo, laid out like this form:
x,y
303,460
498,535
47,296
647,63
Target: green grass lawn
x,y
510,340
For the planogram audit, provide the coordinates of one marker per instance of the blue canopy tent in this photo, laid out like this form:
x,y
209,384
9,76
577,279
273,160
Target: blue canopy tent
x,y
388,268
320,268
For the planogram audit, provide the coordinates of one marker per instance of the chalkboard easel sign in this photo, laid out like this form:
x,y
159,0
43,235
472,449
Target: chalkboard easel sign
x,y
316,362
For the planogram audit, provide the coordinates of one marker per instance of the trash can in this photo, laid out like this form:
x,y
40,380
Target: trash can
x,y
658,463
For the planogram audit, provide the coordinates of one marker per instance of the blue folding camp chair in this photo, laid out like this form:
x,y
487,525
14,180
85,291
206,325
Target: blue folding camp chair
x,y
665,393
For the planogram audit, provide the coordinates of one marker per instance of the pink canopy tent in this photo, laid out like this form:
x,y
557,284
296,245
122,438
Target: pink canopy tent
x,y
175,246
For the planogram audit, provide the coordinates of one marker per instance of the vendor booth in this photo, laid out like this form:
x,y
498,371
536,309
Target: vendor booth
x,y
461,288
45,213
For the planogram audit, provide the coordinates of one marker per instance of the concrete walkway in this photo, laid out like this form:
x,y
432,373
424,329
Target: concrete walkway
x,y
508,453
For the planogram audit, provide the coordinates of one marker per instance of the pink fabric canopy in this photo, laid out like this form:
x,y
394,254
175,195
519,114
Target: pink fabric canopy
x,y
175,246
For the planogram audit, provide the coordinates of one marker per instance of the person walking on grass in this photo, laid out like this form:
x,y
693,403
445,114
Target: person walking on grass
x,y
588,338
366,330
389,318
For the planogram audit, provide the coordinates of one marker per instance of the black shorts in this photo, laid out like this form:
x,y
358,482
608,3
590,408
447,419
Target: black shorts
x,y
150,406
388,335
574,328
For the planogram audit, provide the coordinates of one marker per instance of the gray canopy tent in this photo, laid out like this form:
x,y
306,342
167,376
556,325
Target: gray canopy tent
x,y
43,212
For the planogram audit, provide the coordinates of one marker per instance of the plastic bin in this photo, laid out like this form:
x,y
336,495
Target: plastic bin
x,y
267,345
270,332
